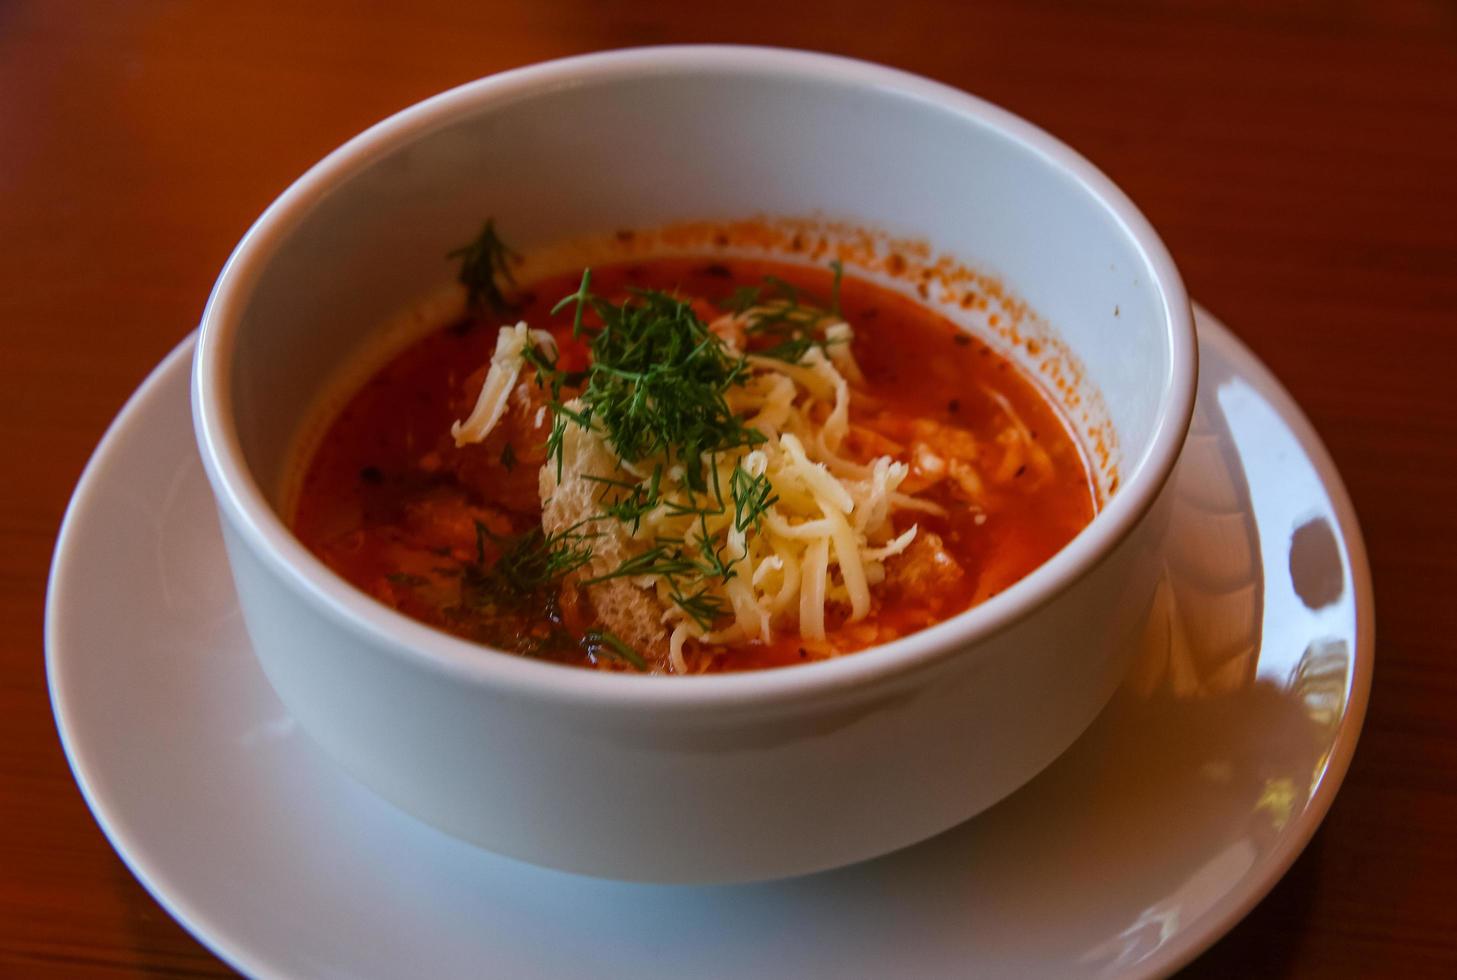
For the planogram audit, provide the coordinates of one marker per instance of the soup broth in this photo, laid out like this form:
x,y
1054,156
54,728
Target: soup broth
x,y
967,449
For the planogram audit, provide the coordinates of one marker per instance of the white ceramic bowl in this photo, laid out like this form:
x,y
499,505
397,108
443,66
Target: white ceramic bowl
x,y
717,778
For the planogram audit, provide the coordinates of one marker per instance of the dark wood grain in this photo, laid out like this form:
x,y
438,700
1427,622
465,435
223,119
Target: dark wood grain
x,y
1300,159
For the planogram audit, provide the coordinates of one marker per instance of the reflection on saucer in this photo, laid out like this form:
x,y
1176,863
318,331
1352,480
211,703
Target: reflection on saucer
x,y
1203,633
1207,714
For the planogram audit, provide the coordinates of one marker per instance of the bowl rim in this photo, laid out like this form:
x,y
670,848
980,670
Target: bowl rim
x,y
244,506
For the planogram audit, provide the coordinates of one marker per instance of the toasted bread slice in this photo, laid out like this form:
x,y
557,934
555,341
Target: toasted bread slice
x,y
632,613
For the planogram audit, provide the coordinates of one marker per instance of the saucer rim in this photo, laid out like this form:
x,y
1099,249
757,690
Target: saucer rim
x,y
1217,921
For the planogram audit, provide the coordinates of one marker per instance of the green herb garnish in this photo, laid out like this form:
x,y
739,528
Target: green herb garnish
x,y
485,267
711,563
741,299
791,349
662,559
701,607
657,390
656,385
527,563
787,318
601,641
752,498
628,502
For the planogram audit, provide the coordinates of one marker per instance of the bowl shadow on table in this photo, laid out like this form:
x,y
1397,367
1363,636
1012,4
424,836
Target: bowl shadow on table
x,y
1191,775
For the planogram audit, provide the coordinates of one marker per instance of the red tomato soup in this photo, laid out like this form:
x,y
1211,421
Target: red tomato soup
x,y
914,424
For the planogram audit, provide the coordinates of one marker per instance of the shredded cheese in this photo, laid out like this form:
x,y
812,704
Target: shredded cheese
x,y
820,541
506,364
825,539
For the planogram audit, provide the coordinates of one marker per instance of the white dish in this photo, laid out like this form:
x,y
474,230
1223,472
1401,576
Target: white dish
x,y
739,776
1171,817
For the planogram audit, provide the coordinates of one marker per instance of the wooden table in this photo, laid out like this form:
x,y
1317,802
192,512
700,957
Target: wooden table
x,y
1300,161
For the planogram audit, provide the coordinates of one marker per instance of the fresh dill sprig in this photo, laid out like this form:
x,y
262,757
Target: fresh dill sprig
x,y
702,606
626,501
711,563
528,562
657,383
791,349
741,300
786,318
485,268
753,496
602,641
657,389
582,298
663,559
792,294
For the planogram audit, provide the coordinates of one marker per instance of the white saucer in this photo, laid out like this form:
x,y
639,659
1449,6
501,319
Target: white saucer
x,y
1176,812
